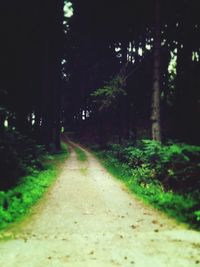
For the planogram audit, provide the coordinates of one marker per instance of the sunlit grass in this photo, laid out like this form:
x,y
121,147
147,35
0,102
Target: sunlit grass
x,y
16,203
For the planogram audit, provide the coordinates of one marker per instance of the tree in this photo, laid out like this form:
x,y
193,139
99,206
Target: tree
x,y
30,67
155,115
110,99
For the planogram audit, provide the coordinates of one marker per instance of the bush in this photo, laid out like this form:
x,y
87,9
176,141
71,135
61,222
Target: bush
x,y
166,176
176,166
19,156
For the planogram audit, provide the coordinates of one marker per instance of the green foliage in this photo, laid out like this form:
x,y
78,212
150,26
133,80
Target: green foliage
x,y
175,166
19,156
16,202
166,176
197,213
81,155
109,95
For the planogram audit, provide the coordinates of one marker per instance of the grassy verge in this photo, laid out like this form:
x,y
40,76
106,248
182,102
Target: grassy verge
x,y
81,155
180,207
15,203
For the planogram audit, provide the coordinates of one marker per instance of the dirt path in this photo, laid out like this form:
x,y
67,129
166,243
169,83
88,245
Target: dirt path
x,y
88,219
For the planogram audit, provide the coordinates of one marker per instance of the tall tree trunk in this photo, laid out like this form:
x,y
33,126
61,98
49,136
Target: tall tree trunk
x,y
155,115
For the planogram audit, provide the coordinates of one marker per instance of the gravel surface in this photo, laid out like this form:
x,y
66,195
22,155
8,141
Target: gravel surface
x,y
88,219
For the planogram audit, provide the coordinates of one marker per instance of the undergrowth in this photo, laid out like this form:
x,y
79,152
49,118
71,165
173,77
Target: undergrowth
x,y
167,176
15,203
18,156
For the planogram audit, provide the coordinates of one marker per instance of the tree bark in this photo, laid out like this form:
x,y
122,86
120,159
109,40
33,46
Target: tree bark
x,y
155,115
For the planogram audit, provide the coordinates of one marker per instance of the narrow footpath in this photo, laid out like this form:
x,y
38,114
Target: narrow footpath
x,y
88,219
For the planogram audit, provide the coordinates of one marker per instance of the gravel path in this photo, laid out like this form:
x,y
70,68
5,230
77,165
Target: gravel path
x,y
88,219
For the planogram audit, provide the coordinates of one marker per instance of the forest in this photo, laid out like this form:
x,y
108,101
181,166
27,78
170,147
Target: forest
x,y
120,77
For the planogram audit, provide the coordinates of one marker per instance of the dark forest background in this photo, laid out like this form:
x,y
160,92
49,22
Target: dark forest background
x,y
114,71
49,69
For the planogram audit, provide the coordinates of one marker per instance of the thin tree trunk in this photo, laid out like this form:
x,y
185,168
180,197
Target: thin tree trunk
x,y
2,119
124,52
155,115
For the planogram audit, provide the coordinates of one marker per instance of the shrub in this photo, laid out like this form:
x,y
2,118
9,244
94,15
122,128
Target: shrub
x,y
19,156
168,176
176,166
16,202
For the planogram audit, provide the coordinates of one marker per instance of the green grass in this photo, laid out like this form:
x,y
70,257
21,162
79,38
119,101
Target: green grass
x,y
16,203
175,205
81,155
